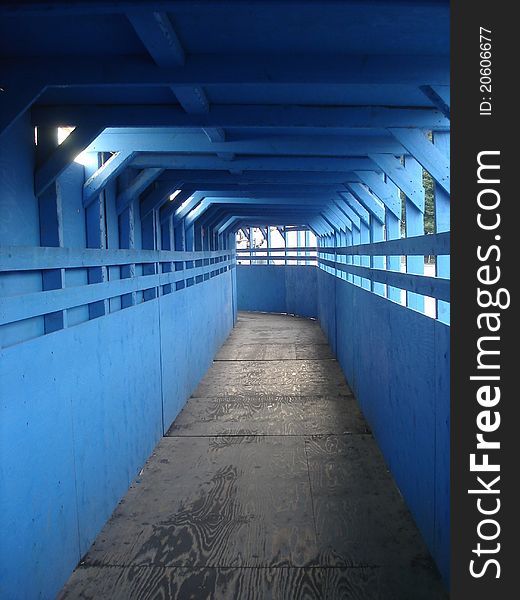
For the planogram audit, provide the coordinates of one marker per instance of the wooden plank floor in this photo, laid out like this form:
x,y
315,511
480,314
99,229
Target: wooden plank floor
x,y
268,485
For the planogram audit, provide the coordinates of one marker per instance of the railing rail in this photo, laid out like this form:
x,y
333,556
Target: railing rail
x,y
162,271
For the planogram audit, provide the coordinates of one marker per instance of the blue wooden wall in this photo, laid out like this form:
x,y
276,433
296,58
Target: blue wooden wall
x,y
82,408
278,288
396,361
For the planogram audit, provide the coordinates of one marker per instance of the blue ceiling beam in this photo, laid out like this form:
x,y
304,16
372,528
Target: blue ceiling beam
x,y
275,145
136,187
356,206
97,182
16,99
169,208
158,36
426,154
296,203
282,163
251,178
46,174
405,180
333,118
345,208
340,218
158,195
235,69
384,191
439,95
368,200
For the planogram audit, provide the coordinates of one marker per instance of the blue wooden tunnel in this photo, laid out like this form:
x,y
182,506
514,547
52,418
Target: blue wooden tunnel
x,y
165,164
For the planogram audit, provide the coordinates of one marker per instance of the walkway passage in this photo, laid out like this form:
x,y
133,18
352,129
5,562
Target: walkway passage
x,y
268,485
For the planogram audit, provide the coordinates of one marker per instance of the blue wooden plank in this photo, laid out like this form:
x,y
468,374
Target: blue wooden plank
x,y
15,100
97,182
280,163
383,190
368,200
414,226
404,178
239,69
442,223
355,205
16,308
282,145
136,187
328,118
157,34
427,154
439,96
377,261
416,284
64,155
434,244
158,195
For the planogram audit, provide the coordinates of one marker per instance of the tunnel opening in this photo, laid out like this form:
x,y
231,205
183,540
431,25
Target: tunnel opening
x,y
176,180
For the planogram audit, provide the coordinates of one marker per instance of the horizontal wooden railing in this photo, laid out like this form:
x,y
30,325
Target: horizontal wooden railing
x,y
168,269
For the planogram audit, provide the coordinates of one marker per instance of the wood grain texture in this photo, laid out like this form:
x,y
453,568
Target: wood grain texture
x,y
169,583
269,415
296,377
267,486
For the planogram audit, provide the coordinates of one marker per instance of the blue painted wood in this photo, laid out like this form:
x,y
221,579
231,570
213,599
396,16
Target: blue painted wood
x,y
136,187
19,222
415,226
393,232
369,201
439,96
383,190
15,100
306,163
365,260
405,178
433,244
277,288
64,155
442,223
398,371
428,155
282,145
157,34
377,261
416,284
97,182
215,69
328,118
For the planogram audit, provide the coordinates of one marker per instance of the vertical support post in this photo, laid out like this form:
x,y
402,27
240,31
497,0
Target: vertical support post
x,y
377,262
442,223
348,258
189,240
393,232
364,232
97,238
179,241
167,244
414,226
307,242
356,240
51,227
148,242
268,230
251,238
127,240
